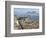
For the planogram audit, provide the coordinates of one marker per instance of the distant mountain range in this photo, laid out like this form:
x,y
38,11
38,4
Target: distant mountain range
x,y
32,15
28,13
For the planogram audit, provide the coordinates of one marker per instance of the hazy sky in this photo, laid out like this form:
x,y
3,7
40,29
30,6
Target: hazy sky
x,y
21,11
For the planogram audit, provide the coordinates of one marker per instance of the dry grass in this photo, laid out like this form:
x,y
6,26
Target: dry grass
x,y
26,24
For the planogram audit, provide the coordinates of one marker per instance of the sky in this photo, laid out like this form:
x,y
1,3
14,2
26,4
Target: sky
x,y
23,11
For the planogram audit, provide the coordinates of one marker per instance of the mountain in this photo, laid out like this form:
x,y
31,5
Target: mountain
x,y
32,15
